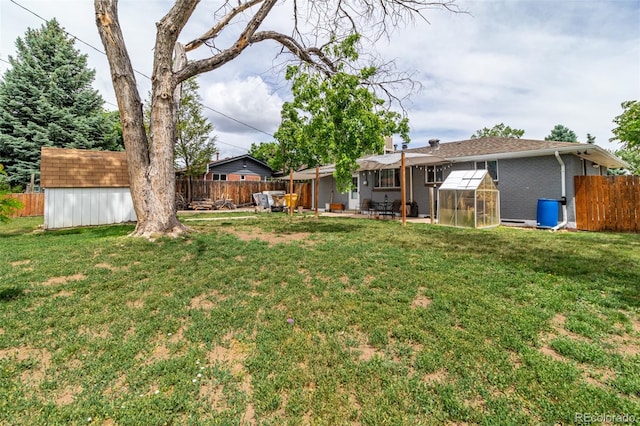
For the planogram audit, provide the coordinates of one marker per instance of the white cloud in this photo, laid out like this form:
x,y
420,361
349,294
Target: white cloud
x,y
250,101
531,64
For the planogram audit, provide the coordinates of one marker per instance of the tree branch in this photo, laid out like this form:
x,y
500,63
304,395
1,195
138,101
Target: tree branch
x,y
242,42
220,25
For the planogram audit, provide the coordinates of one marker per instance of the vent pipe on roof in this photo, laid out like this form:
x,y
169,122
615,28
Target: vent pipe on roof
x,y
435,143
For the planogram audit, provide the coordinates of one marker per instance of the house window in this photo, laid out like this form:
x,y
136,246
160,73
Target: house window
x,y
387,178
433,174
491,166
219,176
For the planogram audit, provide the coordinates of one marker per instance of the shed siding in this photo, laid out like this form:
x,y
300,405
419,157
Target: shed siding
x,y
69,207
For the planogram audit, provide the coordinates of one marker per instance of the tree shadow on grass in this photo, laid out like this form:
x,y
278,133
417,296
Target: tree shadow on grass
x,y
608,262
11,293
103,231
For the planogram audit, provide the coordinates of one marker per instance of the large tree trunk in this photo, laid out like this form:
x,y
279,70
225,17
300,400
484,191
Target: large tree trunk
x,y
151,171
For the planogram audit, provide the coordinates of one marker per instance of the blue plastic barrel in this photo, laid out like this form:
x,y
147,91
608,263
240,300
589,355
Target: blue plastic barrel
x,y
548,212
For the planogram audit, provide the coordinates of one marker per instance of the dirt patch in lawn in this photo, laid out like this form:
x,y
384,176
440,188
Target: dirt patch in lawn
x,y
64,293
625,344
421,302
97,333
119,387
68,395
20,263
34,375
110,267
231,355
63,280
270,237
206,301
439,376
212,393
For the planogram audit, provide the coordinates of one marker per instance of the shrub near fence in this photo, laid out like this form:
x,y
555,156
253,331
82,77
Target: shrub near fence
x,y
608,203
32,204
241,192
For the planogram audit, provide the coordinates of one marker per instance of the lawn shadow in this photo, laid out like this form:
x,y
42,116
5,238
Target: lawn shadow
x,y
102,231
587,257
11,293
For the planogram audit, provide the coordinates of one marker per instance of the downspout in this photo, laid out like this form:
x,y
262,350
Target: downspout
x,y
563,179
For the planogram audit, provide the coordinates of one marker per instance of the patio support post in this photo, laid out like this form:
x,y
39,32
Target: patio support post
x,y
403,193
317,186
291,192
432,203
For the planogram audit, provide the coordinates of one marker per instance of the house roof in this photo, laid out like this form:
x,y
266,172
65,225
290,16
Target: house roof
x,y
240,157
497,148
82,168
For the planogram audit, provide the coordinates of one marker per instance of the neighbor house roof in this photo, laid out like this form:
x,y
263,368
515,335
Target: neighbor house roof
x,y
240,157
498,148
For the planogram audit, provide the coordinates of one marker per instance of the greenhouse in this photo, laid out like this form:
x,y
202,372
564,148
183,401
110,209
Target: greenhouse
x,y
469,199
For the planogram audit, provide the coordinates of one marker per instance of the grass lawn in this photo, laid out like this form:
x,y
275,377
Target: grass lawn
x,y
271,320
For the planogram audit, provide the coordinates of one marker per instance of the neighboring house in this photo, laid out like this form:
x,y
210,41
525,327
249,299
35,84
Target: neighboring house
x,y
84,187
244,167
524,171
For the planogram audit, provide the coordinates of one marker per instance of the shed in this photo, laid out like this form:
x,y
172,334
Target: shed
x,y
83,187
469,199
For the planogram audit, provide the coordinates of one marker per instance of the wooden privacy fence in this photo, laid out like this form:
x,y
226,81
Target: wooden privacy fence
x,y
608,203
32,204
241,192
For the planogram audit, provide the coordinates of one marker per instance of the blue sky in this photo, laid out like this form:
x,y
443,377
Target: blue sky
x,y
531,64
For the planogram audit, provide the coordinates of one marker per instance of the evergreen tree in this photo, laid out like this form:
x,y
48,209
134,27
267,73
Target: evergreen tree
x,y
46,99
194,144
561,133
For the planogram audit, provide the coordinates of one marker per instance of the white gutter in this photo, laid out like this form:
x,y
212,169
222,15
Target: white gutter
x,y
603,157
564,193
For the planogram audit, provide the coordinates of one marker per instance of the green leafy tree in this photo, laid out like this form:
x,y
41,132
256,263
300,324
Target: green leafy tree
x,y
8,205
632,157
335,118
628,125
270,153
500,131
561,133
46,99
